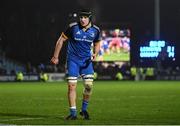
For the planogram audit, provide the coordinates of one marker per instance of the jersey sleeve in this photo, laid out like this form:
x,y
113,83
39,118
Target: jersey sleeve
x,y
98,37
67,33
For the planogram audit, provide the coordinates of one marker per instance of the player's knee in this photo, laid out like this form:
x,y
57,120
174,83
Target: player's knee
x,y
71,86
72,81
88,84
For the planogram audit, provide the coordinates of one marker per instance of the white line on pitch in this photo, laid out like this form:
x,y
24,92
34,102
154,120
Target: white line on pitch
x,y
19,119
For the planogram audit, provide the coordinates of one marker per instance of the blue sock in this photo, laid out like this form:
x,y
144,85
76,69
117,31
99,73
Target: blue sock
x,y
73,111
84,105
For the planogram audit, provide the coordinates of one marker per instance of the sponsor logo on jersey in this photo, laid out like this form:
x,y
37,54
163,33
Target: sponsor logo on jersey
x,y
83,39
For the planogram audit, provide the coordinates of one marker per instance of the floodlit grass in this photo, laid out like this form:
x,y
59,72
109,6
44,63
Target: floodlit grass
x,y
112,102
124,56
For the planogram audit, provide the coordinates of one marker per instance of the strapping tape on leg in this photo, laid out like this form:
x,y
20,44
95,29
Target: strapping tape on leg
x,y
72,79
88,84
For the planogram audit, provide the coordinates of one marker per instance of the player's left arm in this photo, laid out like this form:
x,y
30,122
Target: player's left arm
x,y
97,40
96,49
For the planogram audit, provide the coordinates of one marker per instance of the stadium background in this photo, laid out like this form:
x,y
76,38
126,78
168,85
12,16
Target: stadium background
x,y
29,30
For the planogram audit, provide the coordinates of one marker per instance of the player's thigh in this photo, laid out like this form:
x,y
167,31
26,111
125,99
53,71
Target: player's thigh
x,y
87,70
72,69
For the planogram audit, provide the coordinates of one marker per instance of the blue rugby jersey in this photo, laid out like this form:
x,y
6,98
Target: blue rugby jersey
x,y
80,41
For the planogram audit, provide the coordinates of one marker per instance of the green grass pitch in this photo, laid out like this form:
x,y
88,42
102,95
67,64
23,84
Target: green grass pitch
x,y
112,102
116,57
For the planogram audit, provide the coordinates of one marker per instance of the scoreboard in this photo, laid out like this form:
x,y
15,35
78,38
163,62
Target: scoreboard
x,y
157,49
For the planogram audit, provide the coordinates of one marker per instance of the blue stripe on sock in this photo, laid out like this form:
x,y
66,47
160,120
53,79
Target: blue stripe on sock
x,y
73,112
84,105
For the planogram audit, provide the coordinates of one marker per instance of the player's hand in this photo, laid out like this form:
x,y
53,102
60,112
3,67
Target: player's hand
x,y
54,60
93,57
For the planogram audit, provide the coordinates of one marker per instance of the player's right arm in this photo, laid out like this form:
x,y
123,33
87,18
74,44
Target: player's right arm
x,y
64,36
59,44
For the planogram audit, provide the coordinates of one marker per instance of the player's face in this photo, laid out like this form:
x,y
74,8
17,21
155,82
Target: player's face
x,y
84,20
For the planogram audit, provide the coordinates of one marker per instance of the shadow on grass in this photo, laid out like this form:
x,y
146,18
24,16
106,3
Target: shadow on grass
x,y
18,118
31,116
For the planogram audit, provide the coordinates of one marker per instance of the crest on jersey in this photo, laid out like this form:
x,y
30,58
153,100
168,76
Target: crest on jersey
x,y
92,34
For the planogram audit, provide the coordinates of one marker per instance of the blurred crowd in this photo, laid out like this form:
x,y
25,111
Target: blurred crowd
x,y
113,70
